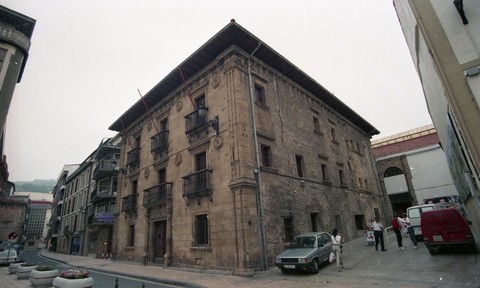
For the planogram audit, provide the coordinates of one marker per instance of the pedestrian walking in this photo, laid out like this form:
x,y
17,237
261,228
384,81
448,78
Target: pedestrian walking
x,y
337,245
411,233
397,227
378,232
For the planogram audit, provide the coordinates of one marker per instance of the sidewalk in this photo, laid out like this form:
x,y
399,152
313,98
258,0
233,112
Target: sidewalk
x,y
181,277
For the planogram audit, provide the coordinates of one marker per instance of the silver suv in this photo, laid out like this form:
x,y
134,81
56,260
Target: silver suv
x,y
305,252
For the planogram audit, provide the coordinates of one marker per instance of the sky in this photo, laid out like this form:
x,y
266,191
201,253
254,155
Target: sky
x,y
88,58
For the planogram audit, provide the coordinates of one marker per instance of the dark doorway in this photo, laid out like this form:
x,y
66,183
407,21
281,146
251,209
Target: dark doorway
x,y
160,241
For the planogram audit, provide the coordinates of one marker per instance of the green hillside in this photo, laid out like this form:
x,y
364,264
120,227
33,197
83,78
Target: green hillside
x,y
35,185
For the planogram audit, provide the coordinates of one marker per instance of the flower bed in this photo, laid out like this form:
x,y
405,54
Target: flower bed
x,y
73,278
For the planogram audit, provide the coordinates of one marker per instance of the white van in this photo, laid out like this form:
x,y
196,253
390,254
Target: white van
x,y
415,213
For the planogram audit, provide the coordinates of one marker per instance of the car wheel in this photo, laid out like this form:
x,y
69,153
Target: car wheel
x,y
314,268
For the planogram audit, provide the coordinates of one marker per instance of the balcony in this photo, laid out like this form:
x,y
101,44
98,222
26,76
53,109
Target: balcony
x,y
129,203
197,184
196,123
157,195
133,157
103,192
103,169
159,143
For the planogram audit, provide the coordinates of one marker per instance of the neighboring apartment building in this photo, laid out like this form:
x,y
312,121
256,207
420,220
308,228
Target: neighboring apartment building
x,y
101,210
15,33
58,192
413,170
37,219
210,184
72,234
444,43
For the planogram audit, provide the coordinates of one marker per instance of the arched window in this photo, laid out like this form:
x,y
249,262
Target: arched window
x,y
392,171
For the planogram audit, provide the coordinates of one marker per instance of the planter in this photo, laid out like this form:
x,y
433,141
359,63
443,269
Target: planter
x,y
60,282
43,278
23,272
12,268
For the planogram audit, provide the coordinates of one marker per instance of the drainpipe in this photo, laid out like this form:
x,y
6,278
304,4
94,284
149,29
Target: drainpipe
x,y
257,169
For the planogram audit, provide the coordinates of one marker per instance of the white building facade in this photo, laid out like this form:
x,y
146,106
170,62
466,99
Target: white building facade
x,y
444,42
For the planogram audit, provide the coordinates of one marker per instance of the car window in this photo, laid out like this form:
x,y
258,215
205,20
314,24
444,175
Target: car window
x,y
326,238
303,242
414,213
428,208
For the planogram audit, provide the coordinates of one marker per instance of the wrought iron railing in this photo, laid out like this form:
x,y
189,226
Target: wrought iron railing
x,y
129,202
196,121
197,184
157,195
133,157
159,143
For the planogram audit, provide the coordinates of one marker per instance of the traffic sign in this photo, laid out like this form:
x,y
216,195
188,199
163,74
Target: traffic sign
x,y
12,235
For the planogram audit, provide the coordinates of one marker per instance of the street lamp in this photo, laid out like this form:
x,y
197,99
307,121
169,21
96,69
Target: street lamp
x,y
116,169
214,123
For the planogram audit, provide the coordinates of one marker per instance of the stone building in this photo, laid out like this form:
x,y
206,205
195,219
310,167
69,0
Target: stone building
x,y
232,154
413,170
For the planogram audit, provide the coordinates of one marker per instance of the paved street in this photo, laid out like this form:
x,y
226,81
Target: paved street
x,y
364,267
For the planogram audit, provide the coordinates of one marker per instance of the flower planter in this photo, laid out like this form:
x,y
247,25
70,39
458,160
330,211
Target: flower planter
x,y
43,278
12,268
23,272
60,282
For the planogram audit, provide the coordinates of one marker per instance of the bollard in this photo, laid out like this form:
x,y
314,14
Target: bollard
x,y
116,282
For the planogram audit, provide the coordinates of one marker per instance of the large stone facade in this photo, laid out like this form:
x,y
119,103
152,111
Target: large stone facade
x,y
298,165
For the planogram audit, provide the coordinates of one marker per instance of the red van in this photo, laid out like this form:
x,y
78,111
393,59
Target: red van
x,y
446,227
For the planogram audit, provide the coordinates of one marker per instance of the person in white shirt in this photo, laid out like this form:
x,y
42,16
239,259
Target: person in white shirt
x,y
378,232
337,242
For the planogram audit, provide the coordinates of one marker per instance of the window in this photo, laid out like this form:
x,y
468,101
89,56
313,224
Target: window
x,y
338,222
134,186
131,236
341,174
316,124
266,155
314,217
288,227
162,176
260,94
392,171
300,165
332,131
360,222
324,172
201,230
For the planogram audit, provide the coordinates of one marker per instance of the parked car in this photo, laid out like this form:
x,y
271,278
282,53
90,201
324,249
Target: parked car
x,y
8,256
446,227
305,252
415,214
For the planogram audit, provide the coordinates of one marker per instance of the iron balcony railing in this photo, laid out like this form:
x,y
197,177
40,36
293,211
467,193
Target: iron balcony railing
x,y
129,202
157,195
197,184
159,143
103,169
133,157
196,121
